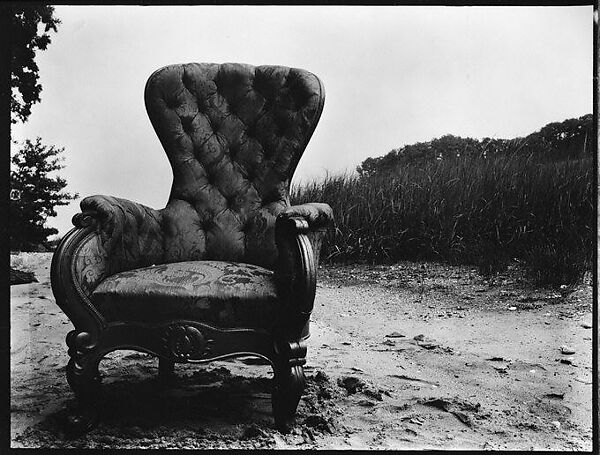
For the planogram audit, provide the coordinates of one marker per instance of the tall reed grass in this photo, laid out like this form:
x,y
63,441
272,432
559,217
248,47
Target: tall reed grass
x,y
471,210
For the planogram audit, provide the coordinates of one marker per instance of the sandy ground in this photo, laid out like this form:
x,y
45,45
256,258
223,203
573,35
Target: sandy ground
x,y
412,356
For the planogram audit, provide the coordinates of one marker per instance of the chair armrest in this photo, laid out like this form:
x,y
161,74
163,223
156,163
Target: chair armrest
x,y
110,235
316,214
131,233
299,231
318,218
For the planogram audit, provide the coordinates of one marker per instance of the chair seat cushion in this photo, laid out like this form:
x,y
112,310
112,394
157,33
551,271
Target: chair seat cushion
x,y
225,294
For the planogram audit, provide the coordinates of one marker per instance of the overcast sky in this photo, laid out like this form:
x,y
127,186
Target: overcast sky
x,y
393,76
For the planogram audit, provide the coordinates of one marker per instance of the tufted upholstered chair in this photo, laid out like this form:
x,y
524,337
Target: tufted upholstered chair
x,y
228,267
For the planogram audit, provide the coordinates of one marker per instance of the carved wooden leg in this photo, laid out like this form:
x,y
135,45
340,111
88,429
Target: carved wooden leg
x,y
166,370
84,379
289,382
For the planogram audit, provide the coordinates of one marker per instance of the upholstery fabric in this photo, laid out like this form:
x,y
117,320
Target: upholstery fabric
x,y
130,233
90,264
233,134
225,294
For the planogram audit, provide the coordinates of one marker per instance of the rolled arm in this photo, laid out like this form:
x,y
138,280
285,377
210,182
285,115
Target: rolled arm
x,y
110,235
317,215
130,232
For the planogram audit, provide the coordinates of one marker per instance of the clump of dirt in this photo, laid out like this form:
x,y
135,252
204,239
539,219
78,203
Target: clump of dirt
x,y
21,277
352,385
457,407
22,268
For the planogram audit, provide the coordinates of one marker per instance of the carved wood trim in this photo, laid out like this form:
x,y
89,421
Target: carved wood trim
x,y
307,275
186,341
296,276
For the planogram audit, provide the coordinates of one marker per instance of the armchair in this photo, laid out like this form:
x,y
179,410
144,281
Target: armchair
x,y
228,267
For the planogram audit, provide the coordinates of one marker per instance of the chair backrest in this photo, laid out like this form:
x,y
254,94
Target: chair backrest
x,y
234,134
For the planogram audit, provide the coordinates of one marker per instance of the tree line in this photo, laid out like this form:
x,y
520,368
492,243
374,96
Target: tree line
x,y
556,141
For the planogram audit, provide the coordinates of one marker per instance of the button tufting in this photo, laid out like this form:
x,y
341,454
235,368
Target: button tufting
x,y
202,105
214,125
251,130
247,161
187,124
232,202
187,81
218,84
232,108
171,102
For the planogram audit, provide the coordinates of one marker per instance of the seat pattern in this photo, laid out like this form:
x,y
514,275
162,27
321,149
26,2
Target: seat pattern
x,y
233,134
226,294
